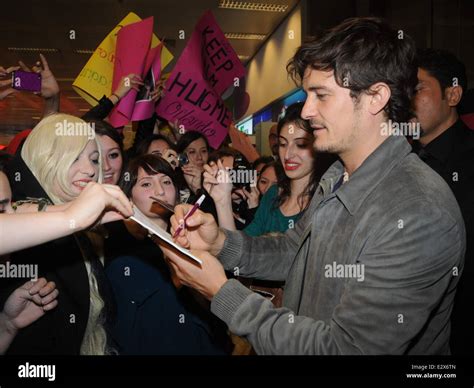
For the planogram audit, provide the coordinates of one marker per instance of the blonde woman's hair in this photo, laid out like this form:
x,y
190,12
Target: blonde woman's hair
x,y
50,150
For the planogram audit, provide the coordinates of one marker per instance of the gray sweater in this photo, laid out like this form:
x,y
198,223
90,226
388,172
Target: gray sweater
x,y
370,268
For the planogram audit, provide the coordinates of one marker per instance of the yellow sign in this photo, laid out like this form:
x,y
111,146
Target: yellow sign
x,y
95,79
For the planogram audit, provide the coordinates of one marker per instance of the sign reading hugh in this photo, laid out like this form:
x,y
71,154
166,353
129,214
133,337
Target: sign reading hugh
x,y
207,67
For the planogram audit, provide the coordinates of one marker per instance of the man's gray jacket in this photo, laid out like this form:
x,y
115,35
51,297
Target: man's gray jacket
x,y
370,268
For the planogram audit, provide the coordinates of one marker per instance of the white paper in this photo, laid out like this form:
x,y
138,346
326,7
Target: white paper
x,y
144,221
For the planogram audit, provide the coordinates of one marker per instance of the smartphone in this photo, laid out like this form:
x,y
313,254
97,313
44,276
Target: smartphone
x,y
24,80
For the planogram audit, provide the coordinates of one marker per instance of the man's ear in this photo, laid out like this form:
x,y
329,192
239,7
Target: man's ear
x,y
379,95
453,95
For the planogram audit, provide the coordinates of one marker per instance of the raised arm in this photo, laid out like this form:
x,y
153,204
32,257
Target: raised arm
x,y
20,231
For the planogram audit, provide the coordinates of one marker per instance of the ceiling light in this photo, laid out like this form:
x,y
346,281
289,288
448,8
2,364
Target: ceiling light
x,y
244,36
34,49
83,51
248,6
243,57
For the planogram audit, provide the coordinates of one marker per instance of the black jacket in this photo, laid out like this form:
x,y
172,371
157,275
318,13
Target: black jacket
x,y
61,330
451,155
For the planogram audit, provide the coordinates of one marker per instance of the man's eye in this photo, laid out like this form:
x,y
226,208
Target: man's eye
x,y
145,185
167,183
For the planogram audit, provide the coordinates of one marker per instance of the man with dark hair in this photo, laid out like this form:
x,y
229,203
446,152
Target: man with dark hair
x,y
369,267
447,146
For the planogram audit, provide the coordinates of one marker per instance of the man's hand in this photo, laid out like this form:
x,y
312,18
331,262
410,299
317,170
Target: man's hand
x,y
200,233
206,279
29,303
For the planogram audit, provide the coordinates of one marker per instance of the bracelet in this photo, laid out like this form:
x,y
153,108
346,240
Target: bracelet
x,y
113,94
41,202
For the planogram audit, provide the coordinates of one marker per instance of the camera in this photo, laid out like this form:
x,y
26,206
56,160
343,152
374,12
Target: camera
x,y
243,173
183,159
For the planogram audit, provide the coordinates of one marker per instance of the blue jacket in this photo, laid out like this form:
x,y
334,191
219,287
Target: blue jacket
x,y
153,317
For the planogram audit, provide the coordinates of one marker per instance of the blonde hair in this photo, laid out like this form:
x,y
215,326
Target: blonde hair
x,y
49,154
94,342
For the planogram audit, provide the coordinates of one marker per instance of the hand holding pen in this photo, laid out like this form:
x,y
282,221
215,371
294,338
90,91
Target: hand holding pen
x,y
201,232
189,214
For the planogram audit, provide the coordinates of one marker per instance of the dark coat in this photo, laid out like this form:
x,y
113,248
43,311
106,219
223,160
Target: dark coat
x,y
451,155
61,330
153,317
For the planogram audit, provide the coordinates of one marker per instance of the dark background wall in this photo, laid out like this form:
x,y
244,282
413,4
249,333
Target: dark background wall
x,y
443,24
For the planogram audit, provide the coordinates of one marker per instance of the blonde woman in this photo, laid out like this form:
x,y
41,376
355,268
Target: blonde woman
x,y
58,160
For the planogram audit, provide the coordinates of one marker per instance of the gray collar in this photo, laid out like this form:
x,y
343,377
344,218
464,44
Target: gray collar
x,y
361,183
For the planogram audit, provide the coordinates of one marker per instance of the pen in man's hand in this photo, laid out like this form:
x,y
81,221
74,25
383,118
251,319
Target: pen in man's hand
x,y
189,214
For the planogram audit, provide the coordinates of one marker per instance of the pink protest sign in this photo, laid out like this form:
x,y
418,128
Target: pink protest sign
x,y
206,68
131,53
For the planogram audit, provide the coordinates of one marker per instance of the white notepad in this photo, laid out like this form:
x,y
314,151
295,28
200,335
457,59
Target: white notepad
x,y
144,221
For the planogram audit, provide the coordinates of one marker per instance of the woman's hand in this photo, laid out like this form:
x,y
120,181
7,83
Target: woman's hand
x,y
6,81
96,198
128,82
252,197
193,176
49,85
28,303
171,157
217,182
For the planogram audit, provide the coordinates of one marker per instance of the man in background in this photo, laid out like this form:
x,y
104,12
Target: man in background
x,y
447,146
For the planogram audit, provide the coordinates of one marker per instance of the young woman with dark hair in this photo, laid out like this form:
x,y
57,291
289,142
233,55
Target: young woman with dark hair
x,y
111,145
196,147
153,316
161,146
298,172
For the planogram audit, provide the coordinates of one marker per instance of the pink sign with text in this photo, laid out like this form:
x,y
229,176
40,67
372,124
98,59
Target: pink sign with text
x,y
207,67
